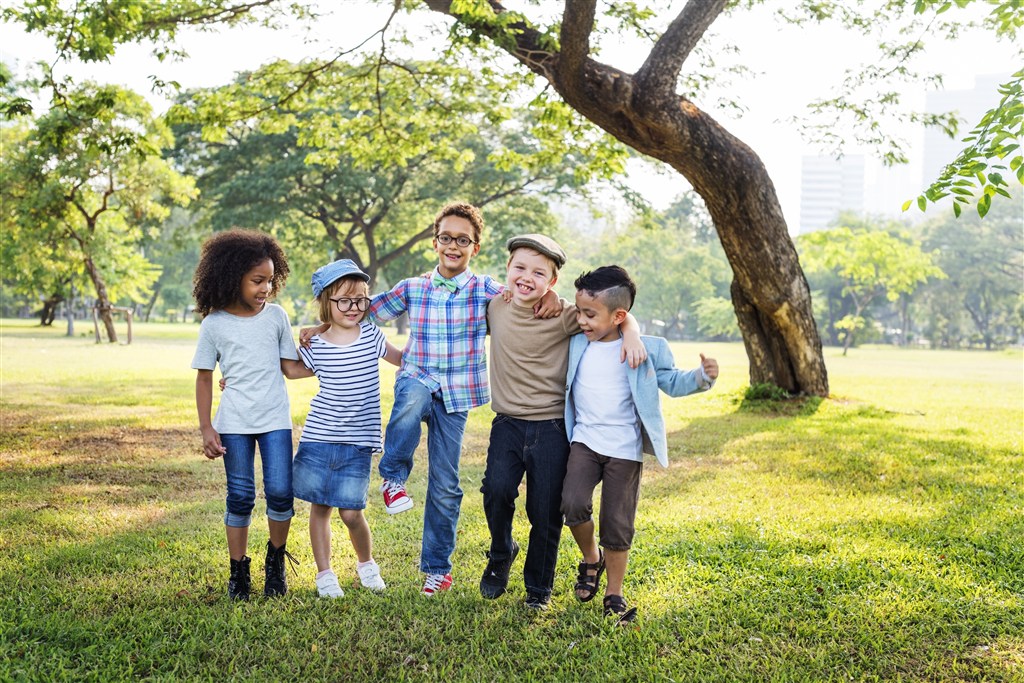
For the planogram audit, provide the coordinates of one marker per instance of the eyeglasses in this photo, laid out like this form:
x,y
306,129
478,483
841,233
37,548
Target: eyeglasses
x,y
462,241
345,304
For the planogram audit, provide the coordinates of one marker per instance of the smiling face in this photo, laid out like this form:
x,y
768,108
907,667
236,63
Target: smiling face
x,y
451,258
351,289
255,288
530,276
596,320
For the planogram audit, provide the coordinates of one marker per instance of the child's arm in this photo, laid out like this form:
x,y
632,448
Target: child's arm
x,y
393,354
633,350
295,369
710,367
212,447
676,382
307,333
549,306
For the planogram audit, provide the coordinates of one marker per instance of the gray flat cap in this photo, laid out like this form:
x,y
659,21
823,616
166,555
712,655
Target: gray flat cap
x,y
539,243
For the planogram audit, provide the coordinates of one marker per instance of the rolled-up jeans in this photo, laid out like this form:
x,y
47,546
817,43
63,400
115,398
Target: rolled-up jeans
x,y
240,468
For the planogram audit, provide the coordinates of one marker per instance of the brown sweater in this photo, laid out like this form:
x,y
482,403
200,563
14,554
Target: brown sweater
x,y
528,360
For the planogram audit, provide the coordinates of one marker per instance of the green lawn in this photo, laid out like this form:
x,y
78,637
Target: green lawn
x,y
877,535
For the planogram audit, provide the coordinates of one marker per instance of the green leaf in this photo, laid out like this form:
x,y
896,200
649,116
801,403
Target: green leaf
x,y
922,203
906,204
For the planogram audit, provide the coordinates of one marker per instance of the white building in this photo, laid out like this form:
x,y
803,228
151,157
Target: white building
x,y
827,187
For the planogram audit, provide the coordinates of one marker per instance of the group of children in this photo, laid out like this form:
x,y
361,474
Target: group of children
x,y
575,396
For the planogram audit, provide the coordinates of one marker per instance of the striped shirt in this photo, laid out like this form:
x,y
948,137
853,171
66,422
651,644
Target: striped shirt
x,y
347,407
447,331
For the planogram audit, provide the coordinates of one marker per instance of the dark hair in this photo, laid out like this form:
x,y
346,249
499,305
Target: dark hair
x,y
225,259
610,283
462,210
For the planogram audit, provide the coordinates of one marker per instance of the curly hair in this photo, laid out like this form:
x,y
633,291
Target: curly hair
x,y
462,210
225,259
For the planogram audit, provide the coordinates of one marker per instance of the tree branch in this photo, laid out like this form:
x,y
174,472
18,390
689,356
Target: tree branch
x,y
577,24
660,71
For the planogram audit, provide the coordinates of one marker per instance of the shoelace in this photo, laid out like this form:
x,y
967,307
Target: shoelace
x,y
393,488
279,556
433,582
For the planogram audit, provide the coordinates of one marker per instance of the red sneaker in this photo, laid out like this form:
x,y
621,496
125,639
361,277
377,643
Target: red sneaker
x,y
436,583
395,498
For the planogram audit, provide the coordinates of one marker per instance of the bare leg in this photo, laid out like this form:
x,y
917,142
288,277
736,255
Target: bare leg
x,y
279,532
320,535
615,561
358,533
584,535
238,541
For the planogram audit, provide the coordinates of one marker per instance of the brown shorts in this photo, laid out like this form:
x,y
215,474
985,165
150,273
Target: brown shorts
x,y
620,494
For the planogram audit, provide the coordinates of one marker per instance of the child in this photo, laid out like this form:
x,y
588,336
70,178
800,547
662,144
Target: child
x,y
613,416
239,271
343,428
529,358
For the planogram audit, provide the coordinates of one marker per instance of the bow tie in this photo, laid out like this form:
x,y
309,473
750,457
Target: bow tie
x,y
445,282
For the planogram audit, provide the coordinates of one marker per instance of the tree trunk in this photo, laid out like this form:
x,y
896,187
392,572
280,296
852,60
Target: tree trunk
x,y
102,300
70,308
769,291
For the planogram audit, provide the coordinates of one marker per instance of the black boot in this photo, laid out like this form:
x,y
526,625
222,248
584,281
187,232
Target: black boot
x,y
239,583
275,583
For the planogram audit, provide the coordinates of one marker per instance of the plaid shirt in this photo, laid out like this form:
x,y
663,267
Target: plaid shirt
x,y
447,330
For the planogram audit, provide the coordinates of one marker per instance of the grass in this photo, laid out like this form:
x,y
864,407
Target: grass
x,y
876,535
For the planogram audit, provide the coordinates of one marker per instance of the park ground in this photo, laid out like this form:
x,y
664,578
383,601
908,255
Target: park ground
x,y
874,535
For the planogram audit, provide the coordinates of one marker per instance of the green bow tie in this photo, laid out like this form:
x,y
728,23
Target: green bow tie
x,y
446,282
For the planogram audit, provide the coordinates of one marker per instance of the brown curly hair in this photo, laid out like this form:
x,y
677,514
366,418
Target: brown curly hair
x,y
462,210
225,259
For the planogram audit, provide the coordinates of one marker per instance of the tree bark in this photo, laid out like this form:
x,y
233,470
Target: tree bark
x,y
769,290
102,299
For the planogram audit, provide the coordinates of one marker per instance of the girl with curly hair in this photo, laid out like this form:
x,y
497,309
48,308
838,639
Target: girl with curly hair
x,y
239,272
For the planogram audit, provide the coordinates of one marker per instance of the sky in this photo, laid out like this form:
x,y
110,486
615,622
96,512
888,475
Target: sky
x,y
792,66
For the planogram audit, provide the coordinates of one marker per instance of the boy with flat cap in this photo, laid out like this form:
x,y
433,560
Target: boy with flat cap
x,y
528,364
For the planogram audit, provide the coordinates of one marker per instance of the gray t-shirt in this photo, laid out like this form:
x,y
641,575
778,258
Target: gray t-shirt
x,y
249,350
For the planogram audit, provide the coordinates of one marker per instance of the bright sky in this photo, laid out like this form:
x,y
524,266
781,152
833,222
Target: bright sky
x,y
792,67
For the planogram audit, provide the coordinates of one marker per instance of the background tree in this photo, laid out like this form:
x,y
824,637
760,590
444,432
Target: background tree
x,y
86,181
871,264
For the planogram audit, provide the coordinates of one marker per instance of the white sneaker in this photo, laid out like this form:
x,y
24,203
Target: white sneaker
x,y
327,586
369,576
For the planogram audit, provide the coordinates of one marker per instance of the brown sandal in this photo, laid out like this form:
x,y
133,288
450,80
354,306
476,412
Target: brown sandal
x,y
589,583
615,606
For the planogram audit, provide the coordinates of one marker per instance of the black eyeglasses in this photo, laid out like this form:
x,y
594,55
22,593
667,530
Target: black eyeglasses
x,y
345,304
462,241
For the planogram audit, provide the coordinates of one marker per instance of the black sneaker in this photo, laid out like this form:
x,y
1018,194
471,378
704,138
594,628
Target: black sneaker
x,y
537,601
275,583
494,582
239,584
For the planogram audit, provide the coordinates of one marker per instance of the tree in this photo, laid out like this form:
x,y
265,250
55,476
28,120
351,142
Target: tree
x,y
871,263
85,181
984,260
643,110
312,167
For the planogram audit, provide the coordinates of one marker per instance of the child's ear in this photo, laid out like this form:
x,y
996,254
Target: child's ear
x,y
619,316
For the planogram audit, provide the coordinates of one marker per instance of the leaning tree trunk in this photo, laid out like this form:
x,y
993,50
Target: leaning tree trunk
x,y
643,110
102,299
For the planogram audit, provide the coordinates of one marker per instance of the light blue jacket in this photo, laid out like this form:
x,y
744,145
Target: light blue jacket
x,y
657,372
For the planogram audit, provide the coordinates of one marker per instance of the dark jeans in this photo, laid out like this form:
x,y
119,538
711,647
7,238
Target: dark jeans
x,y
539,449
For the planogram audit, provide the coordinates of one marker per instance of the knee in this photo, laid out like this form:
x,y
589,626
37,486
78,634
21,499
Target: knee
x,y
351,518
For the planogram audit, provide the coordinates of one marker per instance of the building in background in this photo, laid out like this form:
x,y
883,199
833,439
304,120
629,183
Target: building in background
x,y
970,106
827,187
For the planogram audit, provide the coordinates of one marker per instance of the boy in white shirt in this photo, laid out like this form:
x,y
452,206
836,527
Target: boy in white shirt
x,y
612,417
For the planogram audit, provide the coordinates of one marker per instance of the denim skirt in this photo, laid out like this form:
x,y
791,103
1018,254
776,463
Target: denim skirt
x,y
334,474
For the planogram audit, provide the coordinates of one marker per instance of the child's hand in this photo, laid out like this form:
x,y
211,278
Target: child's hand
x,y
307,333
710,366
223,382
549,306
506,295
212,447
633,350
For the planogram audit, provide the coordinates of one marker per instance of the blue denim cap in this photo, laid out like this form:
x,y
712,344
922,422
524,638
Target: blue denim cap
x,y
332,272
541,244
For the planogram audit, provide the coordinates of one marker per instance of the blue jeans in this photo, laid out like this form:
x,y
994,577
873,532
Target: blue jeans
x,y
540,449
415,404
239,465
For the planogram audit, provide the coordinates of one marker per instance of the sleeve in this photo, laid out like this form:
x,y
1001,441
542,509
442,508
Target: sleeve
x,y
307,357
206,356
389,305
379,342
672,380
492,287
286,345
